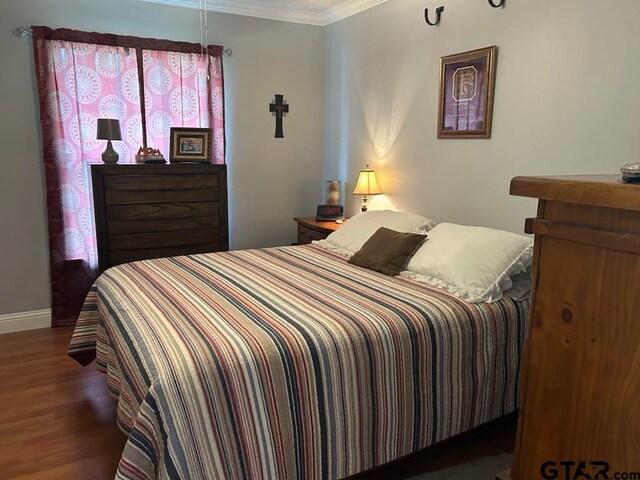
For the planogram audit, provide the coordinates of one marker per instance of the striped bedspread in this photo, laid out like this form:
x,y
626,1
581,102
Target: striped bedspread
x,y
289,363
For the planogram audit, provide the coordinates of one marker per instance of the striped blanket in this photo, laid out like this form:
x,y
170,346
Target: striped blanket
x,y
289,363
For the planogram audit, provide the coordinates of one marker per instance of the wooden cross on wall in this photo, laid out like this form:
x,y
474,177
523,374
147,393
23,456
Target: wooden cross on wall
x,y
279,109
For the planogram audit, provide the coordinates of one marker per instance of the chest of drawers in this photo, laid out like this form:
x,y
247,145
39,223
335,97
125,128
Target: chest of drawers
x,y
151,211
581,367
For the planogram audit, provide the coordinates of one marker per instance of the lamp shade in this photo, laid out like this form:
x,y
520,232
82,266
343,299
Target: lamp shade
x,y
109,129
367,183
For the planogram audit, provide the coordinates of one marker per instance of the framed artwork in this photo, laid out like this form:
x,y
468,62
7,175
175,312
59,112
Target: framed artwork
x,y
467,83
190,145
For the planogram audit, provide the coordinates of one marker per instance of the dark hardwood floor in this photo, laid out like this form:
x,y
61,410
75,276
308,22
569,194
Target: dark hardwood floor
x,y
57,420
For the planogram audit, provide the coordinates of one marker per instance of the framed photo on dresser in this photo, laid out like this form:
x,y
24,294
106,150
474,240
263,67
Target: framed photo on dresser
x,y
190,145
467,83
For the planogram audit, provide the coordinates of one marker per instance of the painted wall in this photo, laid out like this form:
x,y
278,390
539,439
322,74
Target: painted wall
x,y
566,101
269,179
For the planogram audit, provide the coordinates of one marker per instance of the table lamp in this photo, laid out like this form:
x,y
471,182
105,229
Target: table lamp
x,y
109,129
367,185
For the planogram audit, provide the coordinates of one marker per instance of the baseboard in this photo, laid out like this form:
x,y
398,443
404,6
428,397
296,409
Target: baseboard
x,y
18,322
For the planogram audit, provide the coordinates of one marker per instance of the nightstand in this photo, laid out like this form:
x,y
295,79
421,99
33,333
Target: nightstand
x,y
310,229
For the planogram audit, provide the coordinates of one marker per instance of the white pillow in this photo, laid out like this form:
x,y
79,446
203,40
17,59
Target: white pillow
x,y
355,232
475,263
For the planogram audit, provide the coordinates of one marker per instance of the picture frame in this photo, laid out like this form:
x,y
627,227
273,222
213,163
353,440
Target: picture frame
x,y
467,86
189,144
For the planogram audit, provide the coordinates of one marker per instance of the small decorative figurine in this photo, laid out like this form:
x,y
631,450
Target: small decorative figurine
x,y
333,192
149,155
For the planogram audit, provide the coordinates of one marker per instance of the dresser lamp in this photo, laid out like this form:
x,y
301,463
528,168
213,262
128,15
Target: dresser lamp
x,y
367,185
109,129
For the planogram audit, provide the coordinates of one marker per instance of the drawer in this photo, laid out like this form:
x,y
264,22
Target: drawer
x,y
306,235
141,246
162,217
159,182
138,189
135,241
118,257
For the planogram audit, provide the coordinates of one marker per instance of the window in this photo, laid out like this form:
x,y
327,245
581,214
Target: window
x,y
150,86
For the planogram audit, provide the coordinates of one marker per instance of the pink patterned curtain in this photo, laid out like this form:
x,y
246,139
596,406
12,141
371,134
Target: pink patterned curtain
x,y
183,90
81,81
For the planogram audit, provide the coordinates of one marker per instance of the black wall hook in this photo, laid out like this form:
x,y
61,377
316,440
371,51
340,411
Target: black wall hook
x,y
439,11
494,5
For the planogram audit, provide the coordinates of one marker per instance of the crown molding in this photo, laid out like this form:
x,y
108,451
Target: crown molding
x,y
250,9
348,9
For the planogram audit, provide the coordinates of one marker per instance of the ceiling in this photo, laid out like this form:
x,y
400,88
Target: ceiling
x,y
311,12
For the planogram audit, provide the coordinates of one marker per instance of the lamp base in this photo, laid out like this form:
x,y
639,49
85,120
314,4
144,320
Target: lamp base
x,y
110,155
364,204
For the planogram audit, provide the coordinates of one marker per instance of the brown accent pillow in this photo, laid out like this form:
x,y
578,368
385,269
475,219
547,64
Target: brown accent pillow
x,y
387,251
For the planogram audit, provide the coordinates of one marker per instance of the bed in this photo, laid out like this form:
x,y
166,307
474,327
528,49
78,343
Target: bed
x,y
290,363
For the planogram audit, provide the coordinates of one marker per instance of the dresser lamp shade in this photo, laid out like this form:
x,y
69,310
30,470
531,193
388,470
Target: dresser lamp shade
x,y
109,129
367,185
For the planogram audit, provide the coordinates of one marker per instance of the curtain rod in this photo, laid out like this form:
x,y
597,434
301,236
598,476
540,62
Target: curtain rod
x,y
26,32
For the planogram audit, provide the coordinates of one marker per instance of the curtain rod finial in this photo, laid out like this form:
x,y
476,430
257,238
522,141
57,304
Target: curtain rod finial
x,y
22,31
